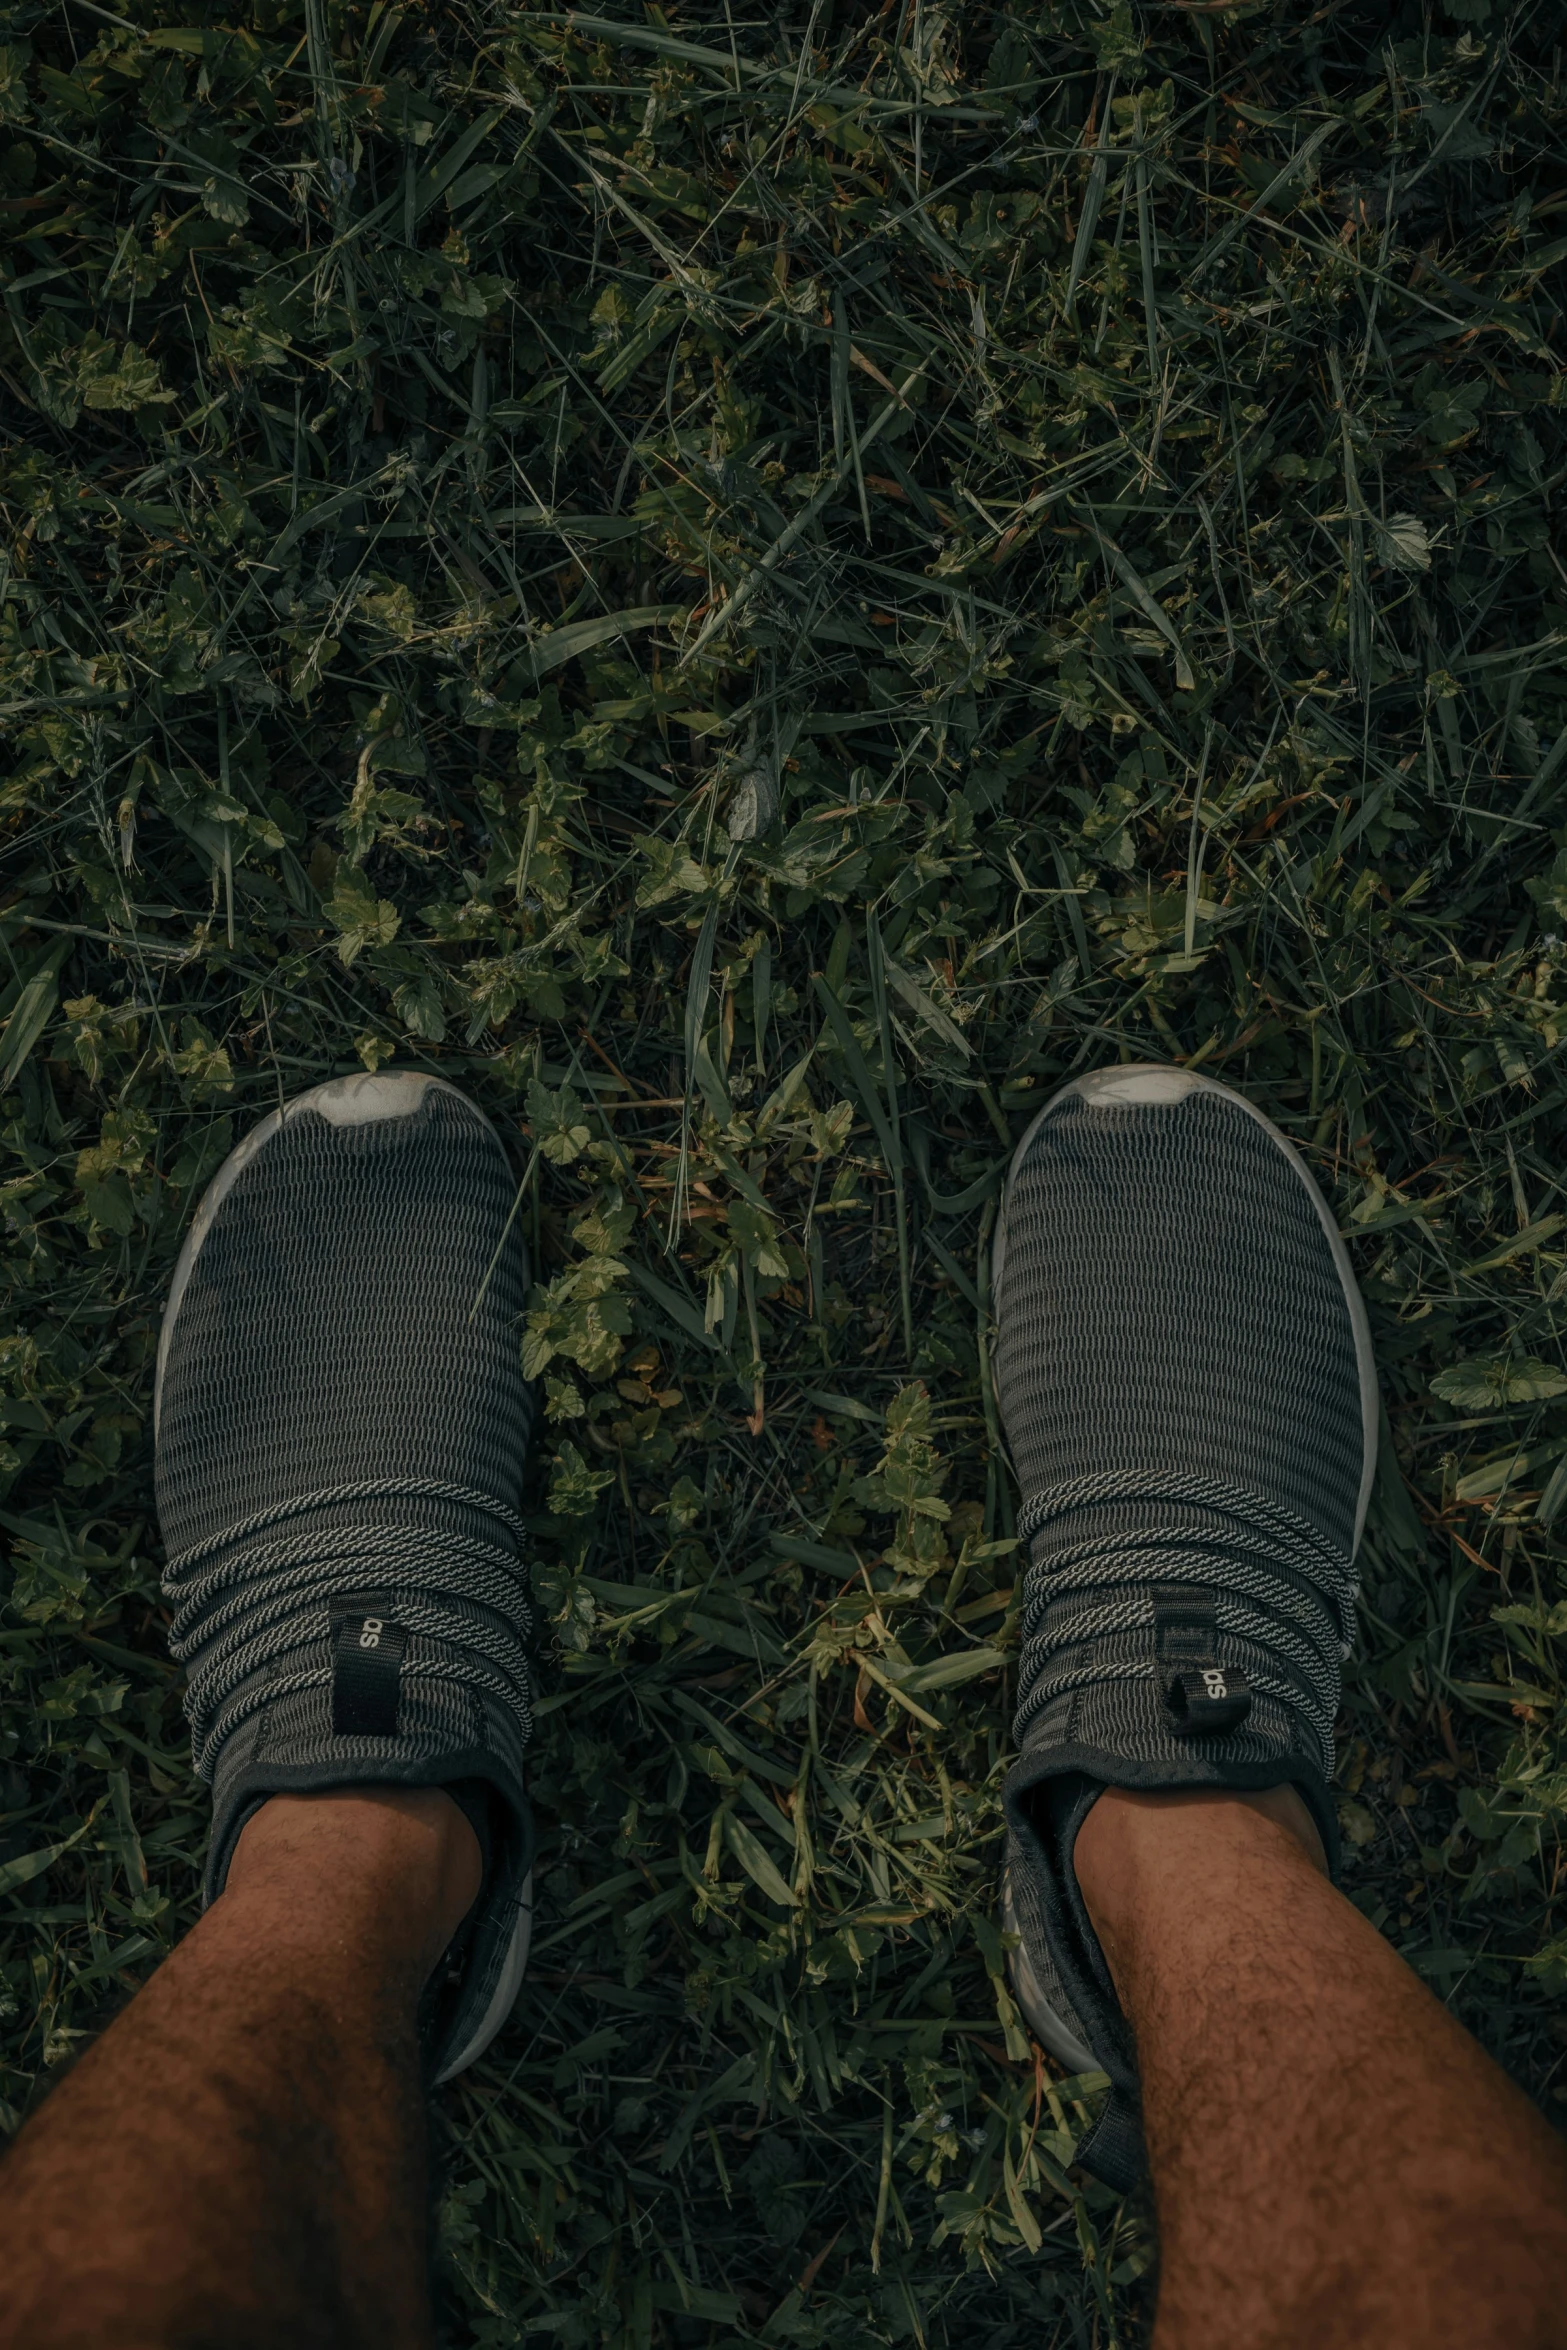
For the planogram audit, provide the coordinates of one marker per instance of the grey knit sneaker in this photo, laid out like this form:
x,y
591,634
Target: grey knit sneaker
x,y
341,1422
1186,1380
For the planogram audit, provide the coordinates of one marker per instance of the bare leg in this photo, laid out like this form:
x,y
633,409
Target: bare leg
x,y
1335,2162
240,2160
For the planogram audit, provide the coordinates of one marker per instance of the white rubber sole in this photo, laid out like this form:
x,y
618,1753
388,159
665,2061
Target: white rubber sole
x,y
1048,2026
504,1998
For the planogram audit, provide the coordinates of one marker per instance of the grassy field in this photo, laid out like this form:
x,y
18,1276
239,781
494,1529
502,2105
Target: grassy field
x,y
758,593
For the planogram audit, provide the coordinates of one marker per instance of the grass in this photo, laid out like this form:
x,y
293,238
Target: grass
x,y
759,594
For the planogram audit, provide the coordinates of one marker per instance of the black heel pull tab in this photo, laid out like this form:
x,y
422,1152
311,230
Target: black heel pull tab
x,y
1203,1698
367,1672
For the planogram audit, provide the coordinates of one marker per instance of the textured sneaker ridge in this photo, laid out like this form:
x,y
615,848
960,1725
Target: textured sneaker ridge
x,y
342,1425
1185,1380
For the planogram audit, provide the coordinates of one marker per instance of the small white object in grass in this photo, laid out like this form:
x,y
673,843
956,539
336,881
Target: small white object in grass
x,y
754,805
1404,542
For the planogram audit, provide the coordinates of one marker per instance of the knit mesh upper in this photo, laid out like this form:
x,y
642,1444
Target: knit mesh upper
x,y
1170,1301
342,1419
332,1302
